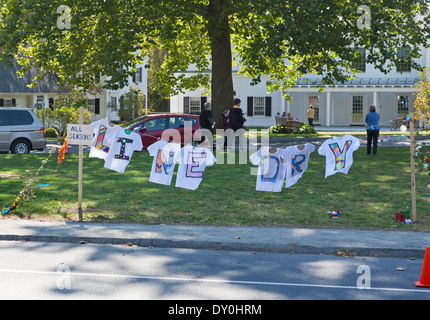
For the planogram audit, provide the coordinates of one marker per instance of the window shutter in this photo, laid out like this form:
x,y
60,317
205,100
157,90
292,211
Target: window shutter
x,y
250,111
97,106
51,103
186,105
202,103
140,75
1,102
13,102
268,106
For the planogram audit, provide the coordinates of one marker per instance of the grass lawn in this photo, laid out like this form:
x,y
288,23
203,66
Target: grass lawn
x,y
368,197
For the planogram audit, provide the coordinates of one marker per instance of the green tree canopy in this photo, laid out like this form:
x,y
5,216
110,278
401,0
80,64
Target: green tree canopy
x,y
285,39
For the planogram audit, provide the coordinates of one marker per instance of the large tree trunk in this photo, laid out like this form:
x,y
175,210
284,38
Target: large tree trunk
x,y
222,81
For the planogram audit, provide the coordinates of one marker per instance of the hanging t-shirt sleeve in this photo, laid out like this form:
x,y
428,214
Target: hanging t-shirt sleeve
x,y
255,158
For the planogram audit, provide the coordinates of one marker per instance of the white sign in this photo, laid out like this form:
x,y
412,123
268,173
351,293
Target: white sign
x,y
80,134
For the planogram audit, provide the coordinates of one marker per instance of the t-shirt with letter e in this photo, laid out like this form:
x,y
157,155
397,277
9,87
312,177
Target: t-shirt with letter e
x,y
338,152
164,162
121,151
192,164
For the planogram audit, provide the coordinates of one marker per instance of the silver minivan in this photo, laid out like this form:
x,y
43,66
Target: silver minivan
x,y
20,131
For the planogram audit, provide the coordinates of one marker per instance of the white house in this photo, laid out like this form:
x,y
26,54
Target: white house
x,y
14,92
338,105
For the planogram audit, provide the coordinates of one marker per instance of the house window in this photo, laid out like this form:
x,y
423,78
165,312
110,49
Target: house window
x,y
94,106
137,77
195,105
406,64
7,103
360,61
357,109
40,100
259,106
402,105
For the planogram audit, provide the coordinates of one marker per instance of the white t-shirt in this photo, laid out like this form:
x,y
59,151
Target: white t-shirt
x,y
297,162
338,152
192,164
271,169
164,162
104,136
121,151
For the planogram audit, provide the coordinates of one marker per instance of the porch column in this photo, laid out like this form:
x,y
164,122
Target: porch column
x,y
376,100
283,103
328,109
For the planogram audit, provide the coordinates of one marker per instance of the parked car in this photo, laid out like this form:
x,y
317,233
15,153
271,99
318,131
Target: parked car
x,y
20,131
150,128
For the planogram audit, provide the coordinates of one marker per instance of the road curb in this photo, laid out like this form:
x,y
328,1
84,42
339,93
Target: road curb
x,y
229,246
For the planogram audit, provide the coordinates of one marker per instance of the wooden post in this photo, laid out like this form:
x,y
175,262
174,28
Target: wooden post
x,y
80,173
413,188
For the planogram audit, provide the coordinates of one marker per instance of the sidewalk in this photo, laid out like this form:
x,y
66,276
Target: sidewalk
x,y
254,239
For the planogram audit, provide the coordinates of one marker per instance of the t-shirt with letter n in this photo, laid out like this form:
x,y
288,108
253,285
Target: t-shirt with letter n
x,y
338,152
121,151
104,135
192,164
164,162
297,160
271,169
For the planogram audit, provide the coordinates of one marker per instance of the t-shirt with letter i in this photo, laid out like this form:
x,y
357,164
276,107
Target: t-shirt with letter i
x,y
164,162
338,152
104,134
121,151
271,169
192,164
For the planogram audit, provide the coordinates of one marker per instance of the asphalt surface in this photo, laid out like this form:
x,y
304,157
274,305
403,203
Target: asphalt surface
x,y
255,239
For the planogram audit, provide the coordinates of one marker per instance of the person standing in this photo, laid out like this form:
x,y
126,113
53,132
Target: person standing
x,y
235,122
311,115
236,119
372,120
224,121
206,120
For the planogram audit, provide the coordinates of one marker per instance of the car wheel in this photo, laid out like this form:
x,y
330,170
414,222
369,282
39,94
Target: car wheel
x,y
20,146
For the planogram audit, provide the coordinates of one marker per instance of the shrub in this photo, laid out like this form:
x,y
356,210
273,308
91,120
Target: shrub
x,y
305,129
51,133
280,128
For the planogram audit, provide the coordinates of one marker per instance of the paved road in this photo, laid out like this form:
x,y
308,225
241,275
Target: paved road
x,y
38,270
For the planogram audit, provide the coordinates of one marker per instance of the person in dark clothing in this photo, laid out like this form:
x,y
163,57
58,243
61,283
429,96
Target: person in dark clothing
x,y
236,119
224,121
206,120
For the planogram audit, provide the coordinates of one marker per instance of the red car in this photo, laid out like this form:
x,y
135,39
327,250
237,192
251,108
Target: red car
x,y
151,127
